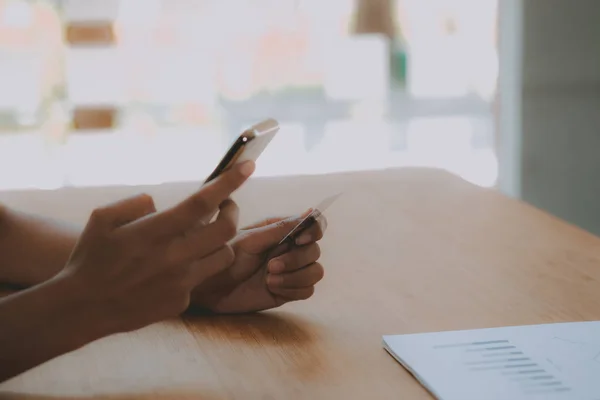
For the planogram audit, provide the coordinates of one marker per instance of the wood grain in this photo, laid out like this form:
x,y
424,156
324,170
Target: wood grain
x,y
406,251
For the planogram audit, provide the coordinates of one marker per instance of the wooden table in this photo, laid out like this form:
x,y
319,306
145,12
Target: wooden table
x,y
406,251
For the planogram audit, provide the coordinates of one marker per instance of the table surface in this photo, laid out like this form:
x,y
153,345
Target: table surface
x,y
406,251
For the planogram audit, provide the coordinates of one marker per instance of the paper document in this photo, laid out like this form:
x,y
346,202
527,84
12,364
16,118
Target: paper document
x,y
554,362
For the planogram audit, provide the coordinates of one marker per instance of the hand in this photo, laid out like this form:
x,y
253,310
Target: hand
x,y
136,266
264,276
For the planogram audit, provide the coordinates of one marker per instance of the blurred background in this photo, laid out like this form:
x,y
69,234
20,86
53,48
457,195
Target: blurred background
x,y
105,92
504,93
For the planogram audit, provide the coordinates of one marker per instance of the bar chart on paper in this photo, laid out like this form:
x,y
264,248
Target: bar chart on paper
x,y
553,361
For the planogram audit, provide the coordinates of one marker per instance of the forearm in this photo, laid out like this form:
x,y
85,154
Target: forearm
x,y
33,249
44,322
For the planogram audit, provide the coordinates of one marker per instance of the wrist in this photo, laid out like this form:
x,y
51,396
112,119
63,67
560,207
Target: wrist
x,y
43,322
82,313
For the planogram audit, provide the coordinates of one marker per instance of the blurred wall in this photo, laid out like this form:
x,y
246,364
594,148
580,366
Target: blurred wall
x,y
560,114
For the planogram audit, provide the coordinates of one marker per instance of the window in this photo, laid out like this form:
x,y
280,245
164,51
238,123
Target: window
x,y
103,92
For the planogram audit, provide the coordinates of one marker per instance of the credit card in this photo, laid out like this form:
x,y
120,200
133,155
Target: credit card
x,y
310,218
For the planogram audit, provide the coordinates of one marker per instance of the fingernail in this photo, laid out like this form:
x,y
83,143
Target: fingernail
x,y
276,266
303,239
247,168
274,280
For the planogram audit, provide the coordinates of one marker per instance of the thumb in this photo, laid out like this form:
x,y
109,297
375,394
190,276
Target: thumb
x,y
267,236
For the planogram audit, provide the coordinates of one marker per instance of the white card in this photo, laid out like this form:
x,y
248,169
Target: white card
x,y
314,215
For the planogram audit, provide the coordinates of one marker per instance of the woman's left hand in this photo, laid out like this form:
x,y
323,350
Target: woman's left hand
x,y
264,275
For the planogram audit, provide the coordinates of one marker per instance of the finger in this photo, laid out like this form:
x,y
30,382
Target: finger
x,y
314,232
302,278
266,237
296,258
204,268
294,294
202,240
264,222
274,220
122,212
200,205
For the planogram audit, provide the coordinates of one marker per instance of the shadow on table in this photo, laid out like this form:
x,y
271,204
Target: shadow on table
x,y
294,338
260,329
148,396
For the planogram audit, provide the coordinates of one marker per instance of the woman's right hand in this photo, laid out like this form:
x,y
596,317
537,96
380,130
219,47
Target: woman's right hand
x,y
133,266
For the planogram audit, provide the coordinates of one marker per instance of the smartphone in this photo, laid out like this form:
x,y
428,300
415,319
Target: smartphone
x,y
248,146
